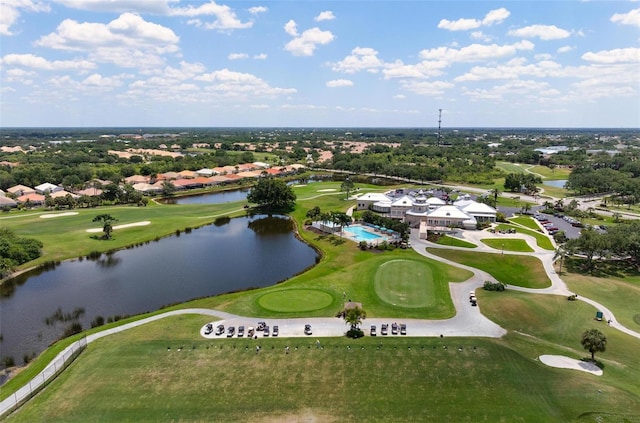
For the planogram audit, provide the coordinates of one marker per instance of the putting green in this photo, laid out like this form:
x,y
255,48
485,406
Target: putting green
x,y
295,300
405,283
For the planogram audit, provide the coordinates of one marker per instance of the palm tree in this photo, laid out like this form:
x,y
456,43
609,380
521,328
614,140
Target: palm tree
x,y
594,341
496,193
347,186
560,253
354,316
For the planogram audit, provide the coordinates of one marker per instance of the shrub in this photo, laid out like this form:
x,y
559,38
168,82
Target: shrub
x,y
355,333
98,321
363,245
8,361
494,286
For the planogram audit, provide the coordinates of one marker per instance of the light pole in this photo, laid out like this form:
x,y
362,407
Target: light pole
x,y
502,252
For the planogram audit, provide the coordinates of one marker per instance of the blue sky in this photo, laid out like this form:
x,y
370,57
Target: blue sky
x,y
319,63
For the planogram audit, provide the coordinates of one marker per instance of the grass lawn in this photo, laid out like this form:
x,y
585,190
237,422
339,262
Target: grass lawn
x,y
509,167
511,269
405,283
225,380
508,244
619,293
551,174
542,240
455,242
526,221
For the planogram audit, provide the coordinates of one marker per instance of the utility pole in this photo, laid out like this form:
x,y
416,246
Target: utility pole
x,y
439,125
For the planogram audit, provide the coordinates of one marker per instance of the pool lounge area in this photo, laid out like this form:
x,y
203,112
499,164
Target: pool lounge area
x,y
371,235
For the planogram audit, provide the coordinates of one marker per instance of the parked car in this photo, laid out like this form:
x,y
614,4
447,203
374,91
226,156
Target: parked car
x,y
240,331
384,328
265,331
403,329
373,330
231,331
275,331
394,329
261,326
219,330
208,329
307,329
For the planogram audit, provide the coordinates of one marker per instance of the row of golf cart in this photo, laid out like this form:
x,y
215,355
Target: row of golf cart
x,y
384,329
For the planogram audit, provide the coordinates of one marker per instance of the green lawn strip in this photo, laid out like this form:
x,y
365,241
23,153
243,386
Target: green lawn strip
x,y
509,167
526,221
542,240
511,269
619,294
225,380
554,192
550,324
551,174
455,242
405,283
508,244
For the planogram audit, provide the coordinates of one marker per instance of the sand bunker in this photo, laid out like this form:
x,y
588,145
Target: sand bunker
x,y
563,362
50,215
327,190
128,225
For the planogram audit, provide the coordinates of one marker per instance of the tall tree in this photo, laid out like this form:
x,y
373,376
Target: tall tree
x,y
107,228
347,186
560,254
272,194
594,341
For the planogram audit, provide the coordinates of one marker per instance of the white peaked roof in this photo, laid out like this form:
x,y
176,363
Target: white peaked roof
x,y
404,201
450,212
374,196
46,187
478,208
435,201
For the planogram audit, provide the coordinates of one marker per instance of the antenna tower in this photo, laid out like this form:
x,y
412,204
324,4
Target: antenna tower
x,y
439,125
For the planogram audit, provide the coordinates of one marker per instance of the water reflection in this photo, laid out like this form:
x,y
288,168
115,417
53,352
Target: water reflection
x,y
245,252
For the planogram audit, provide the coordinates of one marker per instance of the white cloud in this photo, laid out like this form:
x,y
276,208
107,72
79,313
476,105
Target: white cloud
x,y
565,49
475,52
327,15
426,88
257,10
237,56
361,58
630,18
544,32
128,41
306,43
261,56
159,7
340,83
496,16
400,97
232,84
291,28
459,25
10,11
620,55
98,80
423,69
38,62
481,36
226,18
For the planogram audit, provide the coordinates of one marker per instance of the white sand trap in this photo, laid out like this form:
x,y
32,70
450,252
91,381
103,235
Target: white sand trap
x,y
327,190
50,215
563,362
128,225
298,186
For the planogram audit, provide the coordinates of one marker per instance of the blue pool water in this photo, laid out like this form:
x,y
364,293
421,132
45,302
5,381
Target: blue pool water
x,y
361,234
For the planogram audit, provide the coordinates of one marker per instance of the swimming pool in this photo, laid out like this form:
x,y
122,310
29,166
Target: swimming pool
x,y
361,234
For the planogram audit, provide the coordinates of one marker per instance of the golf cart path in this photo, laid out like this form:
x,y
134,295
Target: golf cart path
x,y
558,287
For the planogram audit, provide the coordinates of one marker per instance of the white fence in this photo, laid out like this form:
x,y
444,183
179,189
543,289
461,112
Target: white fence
x,y
41,380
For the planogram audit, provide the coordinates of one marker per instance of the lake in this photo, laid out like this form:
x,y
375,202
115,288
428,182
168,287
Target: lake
x,y
559,183
246,252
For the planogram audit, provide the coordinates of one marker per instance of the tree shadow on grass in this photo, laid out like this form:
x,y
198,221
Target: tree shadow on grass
x,y
332,239
603,268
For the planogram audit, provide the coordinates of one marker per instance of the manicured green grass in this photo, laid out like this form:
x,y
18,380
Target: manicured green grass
x,y
551,174
508,244
542,240
295,300
620,294
509,167
225,380
511,269
405,283
455,242
526,221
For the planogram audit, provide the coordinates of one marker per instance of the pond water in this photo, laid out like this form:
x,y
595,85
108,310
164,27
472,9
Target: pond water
x,y
559,183
246,252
